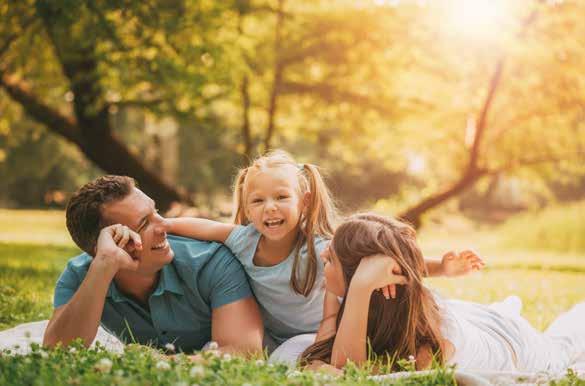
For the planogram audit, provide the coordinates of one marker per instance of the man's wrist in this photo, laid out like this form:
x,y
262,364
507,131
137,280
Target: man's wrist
x,y
104,265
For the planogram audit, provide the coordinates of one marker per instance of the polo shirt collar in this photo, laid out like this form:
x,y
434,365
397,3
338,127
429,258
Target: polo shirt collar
x,y
168,281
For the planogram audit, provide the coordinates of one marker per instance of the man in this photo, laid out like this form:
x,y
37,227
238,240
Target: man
x,y
143,286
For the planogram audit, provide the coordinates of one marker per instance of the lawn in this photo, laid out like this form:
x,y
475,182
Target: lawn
x,y
34,247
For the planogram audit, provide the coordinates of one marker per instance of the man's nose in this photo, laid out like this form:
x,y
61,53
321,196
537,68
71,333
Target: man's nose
x,y
162,226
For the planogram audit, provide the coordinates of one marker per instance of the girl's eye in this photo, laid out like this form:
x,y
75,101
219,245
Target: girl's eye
x,y
282,197
256,200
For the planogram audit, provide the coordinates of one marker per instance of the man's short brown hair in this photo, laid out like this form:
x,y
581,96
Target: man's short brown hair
x,y
84,216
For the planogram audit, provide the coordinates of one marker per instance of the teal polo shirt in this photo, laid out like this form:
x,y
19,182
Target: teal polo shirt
x,y
202,276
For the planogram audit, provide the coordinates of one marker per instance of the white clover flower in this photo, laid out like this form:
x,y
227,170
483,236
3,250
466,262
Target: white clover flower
x,y
44,354
227,357
294,374
163,365
260,362
72,350
197,371
271,365
212,345
170,347
119,373
411,358
104,365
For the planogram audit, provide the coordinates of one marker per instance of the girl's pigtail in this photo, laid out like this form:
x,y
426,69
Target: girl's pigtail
x,y
239,212
319,219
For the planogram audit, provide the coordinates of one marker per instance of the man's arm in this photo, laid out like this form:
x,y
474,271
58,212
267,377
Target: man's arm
x,y
80,317
245,337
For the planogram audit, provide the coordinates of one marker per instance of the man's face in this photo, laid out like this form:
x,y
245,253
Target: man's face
x,y
139,213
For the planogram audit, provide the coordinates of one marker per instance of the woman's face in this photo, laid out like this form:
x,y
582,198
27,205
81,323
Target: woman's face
x,y
333,273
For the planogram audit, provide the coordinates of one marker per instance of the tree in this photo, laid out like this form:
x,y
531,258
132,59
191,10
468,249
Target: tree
x,y
105,55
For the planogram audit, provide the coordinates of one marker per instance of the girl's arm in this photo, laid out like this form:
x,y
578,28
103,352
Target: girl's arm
x,y
351,340
453,264
200,228
329,323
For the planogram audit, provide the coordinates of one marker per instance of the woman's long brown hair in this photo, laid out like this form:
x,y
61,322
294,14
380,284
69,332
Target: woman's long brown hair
x,y
397,328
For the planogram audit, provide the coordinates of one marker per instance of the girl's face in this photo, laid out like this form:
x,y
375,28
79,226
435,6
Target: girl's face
x,y
333,273
273,202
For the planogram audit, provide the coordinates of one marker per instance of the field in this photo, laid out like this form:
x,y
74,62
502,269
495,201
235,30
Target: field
x,y
34,247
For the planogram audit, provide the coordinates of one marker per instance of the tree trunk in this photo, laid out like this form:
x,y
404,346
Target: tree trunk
x,y
413,215
277,79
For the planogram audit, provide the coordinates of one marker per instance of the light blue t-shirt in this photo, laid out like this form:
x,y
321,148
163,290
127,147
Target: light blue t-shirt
x,y
201,277
285,312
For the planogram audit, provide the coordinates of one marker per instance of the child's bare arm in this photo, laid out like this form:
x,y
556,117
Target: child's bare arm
x,y
454,264
200,228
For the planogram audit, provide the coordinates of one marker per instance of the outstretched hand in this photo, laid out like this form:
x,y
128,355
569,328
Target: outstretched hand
x,y
116,243
458,264
380,272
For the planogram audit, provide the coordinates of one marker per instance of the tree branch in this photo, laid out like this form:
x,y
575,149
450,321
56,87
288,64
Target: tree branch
x,y
11,38
277,79
38,110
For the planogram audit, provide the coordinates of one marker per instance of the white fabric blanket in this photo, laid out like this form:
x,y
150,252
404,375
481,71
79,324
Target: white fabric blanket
x,y
19,338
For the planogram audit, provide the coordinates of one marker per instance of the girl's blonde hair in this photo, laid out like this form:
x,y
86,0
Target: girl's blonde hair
x,y
317,220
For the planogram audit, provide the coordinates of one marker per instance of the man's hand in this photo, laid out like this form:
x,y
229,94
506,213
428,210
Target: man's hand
x,y
460,264
114,247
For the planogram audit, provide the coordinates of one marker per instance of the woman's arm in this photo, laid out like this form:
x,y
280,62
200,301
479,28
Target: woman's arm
x,y
377,271
329,323
200,228
351,339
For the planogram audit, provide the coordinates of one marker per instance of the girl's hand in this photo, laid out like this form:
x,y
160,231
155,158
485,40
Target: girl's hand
x,y
461,264
379,272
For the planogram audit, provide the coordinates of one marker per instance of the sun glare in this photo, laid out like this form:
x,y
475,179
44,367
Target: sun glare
x,y
477,18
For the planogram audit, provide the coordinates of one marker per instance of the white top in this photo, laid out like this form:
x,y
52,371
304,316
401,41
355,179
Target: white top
x,y
285,313
497,337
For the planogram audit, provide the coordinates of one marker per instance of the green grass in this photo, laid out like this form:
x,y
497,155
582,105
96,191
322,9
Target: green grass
x,y
34,247
27,277
559,229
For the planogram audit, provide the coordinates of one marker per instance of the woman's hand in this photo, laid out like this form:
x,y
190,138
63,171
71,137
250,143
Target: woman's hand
x,y
379,272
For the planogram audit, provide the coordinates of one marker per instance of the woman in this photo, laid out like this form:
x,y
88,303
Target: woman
x,y
370,252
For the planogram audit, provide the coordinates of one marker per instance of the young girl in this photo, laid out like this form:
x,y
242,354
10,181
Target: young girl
x,y
369,252
284,219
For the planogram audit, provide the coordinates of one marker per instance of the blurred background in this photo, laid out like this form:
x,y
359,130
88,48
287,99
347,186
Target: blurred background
x,y
465,117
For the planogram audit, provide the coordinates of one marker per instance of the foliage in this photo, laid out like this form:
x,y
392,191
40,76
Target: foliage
x,y
378,89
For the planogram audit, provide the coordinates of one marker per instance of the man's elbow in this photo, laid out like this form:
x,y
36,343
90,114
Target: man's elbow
x,y
52,339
